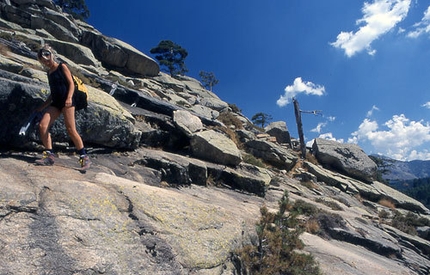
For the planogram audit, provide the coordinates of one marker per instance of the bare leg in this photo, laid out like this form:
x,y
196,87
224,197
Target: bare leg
x,y
69,120
48,119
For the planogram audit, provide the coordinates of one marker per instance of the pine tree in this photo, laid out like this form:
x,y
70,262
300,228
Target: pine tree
x,y
261,119
208,79
77,8
171,57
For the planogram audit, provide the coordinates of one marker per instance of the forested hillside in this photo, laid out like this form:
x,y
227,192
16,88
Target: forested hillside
x,y
409,177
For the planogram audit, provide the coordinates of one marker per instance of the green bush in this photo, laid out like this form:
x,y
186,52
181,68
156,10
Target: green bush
x,y
250,159
408,223
276,251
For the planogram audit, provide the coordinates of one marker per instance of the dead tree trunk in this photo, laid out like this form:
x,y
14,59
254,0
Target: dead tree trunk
x,y
298,114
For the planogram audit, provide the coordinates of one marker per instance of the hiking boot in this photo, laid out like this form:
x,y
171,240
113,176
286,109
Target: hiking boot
x,y
47,159
84,161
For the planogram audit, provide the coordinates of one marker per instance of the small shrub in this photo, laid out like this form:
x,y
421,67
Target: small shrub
x,y
34,46
404,223
383,214
332,204
183,103
363,221
250,159
234,108
301,207
277,245
327,221
408,223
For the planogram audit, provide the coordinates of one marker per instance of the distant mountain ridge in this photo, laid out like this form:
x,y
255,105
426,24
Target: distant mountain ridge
x,y
396,170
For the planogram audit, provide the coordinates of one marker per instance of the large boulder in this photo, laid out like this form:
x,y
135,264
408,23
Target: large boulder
x,y
187,122
272,153
78,53
119,55
214,146
279,130
346,158
104,123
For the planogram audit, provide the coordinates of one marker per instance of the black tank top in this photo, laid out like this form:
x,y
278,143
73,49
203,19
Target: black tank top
x,y
58,87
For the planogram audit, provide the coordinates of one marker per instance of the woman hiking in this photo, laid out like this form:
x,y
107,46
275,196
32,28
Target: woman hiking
x,y
60,101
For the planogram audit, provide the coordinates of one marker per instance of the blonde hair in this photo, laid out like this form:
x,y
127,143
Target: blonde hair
x,y
48,48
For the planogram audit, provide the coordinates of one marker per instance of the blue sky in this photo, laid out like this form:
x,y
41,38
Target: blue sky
x,y
364,64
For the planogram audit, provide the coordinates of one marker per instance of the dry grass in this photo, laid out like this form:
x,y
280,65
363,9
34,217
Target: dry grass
x,y
312,226
387,203
4,50
228,118
311,158
310,185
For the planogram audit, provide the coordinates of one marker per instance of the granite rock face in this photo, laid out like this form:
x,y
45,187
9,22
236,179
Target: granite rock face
x,y
346,158
178,175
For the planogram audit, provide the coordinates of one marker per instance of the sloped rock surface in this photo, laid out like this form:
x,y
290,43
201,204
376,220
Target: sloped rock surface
x,y
56,221
155,209
347,158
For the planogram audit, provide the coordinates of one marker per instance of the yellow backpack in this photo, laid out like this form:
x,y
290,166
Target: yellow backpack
x,y
81,93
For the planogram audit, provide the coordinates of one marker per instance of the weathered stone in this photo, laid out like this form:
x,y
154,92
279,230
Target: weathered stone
x,y
279,130
245,135
213,146
9,65
245,177
424,232
374,192
204,111
79,54
187,122
54,220
119,55
346,158
272,153
340,181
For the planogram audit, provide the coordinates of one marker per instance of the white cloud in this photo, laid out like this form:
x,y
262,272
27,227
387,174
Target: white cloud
x,y
319,127
400,140
329,136
379,18
426,105
298,87
370,112
421,27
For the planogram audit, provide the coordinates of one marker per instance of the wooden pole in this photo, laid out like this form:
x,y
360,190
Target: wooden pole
x,y
300,127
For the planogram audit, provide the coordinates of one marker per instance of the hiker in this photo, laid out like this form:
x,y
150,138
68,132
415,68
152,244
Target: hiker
x,y
60,101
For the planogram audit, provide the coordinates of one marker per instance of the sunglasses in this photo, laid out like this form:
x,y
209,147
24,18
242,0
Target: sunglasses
x,y
45,54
